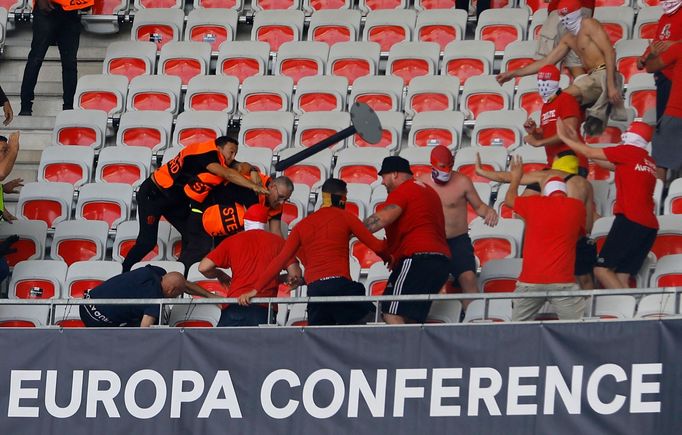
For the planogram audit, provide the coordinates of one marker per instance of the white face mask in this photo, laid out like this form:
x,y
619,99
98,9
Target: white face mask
x,y
629,138
440,177
253,225
572,21
547,89
670,6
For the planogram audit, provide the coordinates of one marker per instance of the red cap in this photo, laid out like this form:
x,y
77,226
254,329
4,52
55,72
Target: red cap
x,y
442,159
567,6
549,72
642,129
257,213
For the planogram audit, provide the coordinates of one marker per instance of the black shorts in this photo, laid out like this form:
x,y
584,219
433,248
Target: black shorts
x,y
626,246
419,274
340,313
585,256
462,255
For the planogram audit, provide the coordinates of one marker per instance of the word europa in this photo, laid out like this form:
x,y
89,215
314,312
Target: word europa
x,y
484,387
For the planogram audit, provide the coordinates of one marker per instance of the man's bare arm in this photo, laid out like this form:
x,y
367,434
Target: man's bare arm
x,y
570,138
559,52
147,321
192,288
383,218
233,176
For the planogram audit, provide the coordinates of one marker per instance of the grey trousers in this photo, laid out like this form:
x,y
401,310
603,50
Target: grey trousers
x,y
568,308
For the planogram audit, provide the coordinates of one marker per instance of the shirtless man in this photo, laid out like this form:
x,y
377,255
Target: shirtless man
x,y
455,191
577,187
602,85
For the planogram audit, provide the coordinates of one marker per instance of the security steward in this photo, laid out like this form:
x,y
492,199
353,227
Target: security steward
x,y
183,183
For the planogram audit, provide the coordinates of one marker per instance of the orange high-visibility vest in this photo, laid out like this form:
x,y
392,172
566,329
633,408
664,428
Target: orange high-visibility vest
x,y
72,5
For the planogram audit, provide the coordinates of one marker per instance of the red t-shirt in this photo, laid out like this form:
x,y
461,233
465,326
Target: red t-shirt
x,y
672,57
321,242
635,183
589,4
669,29
421,226
553,227
248,253
562,106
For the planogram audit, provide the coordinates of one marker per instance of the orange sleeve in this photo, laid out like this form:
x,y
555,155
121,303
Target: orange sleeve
x,y
280,262
363,234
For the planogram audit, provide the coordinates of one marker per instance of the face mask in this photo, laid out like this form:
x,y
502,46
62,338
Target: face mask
x,y
572,21
633,139
547,89
440,177
671,6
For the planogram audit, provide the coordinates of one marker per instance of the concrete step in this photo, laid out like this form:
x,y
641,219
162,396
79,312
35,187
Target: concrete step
x,y
29,173
32,123
22,34
51,72
85,53
42,106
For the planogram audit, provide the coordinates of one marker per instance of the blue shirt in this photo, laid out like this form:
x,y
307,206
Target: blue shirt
x,y
141,283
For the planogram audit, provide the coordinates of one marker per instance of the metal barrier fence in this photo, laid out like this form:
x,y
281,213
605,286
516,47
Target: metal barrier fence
x,y
486,297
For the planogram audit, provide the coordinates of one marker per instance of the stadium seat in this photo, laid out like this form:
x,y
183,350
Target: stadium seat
x,y
212,285
492,158
367,258
218,93
320,94
37,279
534,158
109,202
83,276
502,26
149,129
439,25
24,316
494,243
534,5
628,51
259,157
242,59
126,234
500,276
357,201
12,5
130,58
611,135
312,171
388,26
499,128
315,126
669,237
432,93
419,158
298,315
436,128
446,311
296,208
235,5
160,93
537,19
378,198
334,26
616,21
502,210
158,4
213,26
71,164
160,26
391,132
168,266
47,202
465,59
353,60
668,272
499,310
277,27
647,22
31,243
94,22
300,59
80,127
614,307
174,245
656,306
380,93
367,6
641,94
517,55
129,165
484,192
184,59
601,228
102,92
359,165
271,130
409,60
267,93
194,127
272,5
673,202
483,94
194,316
79,240
377,278
67,316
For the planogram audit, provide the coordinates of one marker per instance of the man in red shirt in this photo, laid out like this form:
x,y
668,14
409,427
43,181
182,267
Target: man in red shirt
x,y
665,146
634,230
415,234
557,104
247,253
321,242
554,223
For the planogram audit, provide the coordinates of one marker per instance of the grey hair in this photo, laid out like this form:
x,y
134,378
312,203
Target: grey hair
x,y
285,182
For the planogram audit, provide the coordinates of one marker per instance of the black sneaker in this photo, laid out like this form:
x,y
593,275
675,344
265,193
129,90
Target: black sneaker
x,y
25,112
